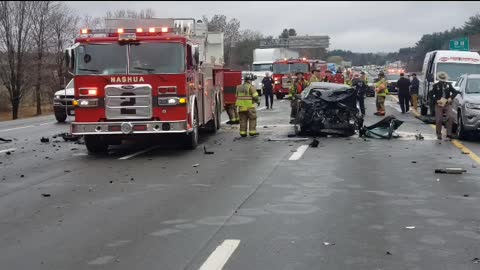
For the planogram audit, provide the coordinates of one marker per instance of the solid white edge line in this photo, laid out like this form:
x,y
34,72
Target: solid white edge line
x,y
8,150
298,154
220,255
42,124
10,129
138,153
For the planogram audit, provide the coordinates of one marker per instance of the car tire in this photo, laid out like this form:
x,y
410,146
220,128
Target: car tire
x,y
423,110
460,130
60,117
96,144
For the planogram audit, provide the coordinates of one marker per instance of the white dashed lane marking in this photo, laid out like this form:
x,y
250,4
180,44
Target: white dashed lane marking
x,y
220,255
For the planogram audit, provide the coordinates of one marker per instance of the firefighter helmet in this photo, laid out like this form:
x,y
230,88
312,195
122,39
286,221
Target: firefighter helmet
x,y
249,77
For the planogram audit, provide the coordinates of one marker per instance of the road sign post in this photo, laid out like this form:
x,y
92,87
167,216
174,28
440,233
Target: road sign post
x,y
460,44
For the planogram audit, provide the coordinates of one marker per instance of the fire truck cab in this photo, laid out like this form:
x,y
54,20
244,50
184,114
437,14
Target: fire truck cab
x,y
284,74
148,77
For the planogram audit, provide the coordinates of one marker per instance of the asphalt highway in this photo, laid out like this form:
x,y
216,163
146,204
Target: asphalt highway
x,y
255,203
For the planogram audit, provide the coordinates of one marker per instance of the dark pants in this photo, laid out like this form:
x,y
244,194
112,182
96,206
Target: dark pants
x,y
361,103
269,95
404,101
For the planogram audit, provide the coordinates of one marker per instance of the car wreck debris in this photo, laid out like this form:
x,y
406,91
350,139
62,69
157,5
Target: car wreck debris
x,y
383,129
450,171
328,109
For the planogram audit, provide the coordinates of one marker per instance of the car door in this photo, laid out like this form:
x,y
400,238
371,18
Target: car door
x,y
458,100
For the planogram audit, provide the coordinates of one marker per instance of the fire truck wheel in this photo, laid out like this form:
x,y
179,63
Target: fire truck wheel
x,y
213,125
191,139
96,144
60,117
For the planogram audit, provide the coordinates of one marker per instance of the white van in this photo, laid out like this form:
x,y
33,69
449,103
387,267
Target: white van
x,y
454,63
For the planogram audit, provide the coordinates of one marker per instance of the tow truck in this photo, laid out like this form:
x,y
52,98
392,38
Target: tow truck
x,y
144,77
284,74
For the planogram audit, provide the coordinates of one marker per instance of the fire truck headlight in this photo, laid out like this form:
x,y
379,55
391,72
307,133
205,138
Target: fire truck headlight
x,y
88,102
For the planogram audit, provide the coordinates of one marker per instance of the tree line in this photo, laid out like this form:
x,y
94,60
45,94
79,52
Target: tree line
x,y
34,34
413,56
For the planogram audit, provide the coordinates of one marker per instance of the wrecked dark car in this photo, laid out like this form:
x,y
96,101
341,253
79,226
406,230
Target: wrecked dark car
x,y
328,109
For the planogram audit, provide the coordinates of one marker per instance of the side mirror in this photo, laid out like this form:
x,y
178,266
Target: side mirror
x,y
430,77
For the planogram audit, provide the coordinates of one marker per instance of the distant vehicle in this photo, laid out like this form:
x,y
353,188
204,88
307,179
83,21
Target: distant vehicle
x,y
392,82
63,102
466,106
263,62
454,63
284,74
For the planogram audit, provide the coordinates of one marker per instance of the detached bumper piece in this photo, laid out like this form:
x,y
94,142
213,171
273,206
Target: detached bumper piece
x,y
383,129
329,111
125,128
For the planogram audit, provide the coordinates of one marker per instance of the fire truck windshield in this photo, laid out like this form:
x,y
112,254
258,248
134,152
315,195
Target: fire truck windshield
x,y
290,68
145,58
160,58
101,59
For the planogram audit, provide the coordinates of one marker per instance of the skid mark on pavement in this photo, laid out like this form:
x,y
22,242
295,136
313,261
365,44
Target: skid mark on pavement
x,y
220,255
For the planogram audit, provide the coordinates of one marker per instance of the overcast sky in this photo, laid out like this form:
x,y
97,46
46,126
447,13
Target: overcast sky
x,y
355,26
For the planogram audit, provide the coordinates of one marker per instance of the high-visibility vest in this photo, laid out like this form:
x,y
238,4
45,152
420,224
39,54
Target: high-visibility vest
x,y
297,87
245,96
377,85
314,79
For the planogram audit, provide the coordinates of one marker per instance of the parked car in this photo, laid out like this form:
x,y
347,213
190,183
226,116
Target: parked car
x,y
466,106
63,103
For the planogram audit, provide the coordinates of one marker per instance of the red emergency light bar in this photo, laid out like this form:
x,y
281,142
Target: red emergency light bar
x,y
139,30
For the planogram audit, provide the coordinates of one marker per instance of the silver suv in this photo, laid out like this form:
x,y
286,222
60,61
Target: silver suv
x,y
63,102
466,106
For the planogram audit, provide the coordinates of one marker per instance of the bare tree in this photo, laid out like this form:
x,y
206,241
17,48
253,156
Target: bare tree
x,y
41,18
65,27
15,42
129,13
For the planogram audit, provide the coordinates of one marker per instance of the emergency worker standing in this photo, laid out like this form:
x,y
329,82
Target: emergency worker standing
x,y
247,96
382,91
338,77
360,86
267,83
442,94
296,88
315,76
328,76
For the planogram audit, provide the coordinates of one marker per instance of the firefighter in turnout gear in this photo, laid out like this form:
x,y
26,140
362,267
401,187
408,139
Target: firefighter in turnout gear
x,y
382,91
232,114
247,96
315,75
296,89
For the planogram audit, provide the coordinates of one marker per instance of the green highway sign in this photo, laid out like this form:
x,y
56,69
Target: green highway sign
x,y
460,44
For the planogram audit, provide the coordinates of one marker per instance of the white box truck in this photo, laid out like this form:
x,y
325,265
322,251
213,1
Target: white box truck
x,y
263,62
454,63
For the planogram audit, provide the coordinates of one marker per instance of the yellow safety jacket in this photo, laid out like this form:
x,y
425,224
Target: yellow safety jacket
x,y
314,78
385,91
246,94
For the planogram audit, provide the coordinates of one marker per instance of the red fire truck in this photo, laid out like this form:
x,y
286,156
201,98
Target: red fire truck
x,y
146,77
284,74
